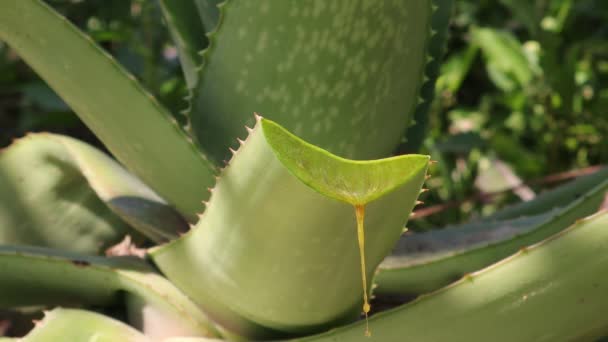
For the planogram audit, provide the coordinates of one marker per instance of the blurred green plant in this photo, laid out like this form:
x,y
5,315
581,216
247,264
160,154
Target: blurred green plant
x,y
525,83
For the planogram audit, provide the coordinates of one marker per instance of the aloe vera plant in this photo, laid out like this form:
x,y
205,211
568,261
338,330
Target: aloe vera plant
x,y
288,239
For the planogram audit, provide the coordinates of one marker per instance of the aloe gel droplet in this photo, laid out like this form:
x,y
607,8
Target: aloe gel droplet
x,y
360,215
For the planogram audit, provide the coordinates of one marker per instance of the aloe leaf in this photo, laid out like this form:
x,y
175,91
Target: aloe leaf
x,y
563,272
37,276
289,261
62,193
188,34
126,195
427,261
132,124
354,66
209,13
554,198
350,181
80,326
416,133
47,201
508,301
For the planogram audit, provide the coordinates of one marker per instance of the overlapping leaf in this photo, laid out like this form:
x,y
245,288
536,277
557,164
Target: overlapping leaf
x,y
79,325
416,133
509,301
187,30
343,75
59,192
132,124
427,261
35,276
289,261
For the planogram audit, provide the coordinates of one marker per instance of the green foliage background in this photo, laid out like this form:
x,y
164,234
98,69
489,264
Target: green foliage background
x,y
522,82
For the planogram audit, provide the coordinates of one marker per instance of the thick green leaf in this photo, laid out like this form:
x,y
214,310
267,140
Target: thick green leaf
x,y
56,192
133,125
82,326
415,134
289,260
46,200
36,276
209,13
553,291
558,197
126,195
343,74
188,34
427,261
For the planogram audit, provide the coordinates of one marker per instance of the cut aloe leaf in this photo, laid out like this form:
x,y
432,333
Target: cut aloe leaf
x,y
80,326
427,261
36,276
350,181
188,34
61,193
509,301
132,124
289,261
355,67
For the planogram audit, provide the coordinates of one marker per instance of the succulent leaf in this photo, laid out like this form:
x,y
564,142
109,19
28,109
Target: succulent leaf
x,y
37,276
566,272
416,133
209,13
427,261
57,192
289,261
47,201
561,196
343,75
80,325
129,121
188,33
